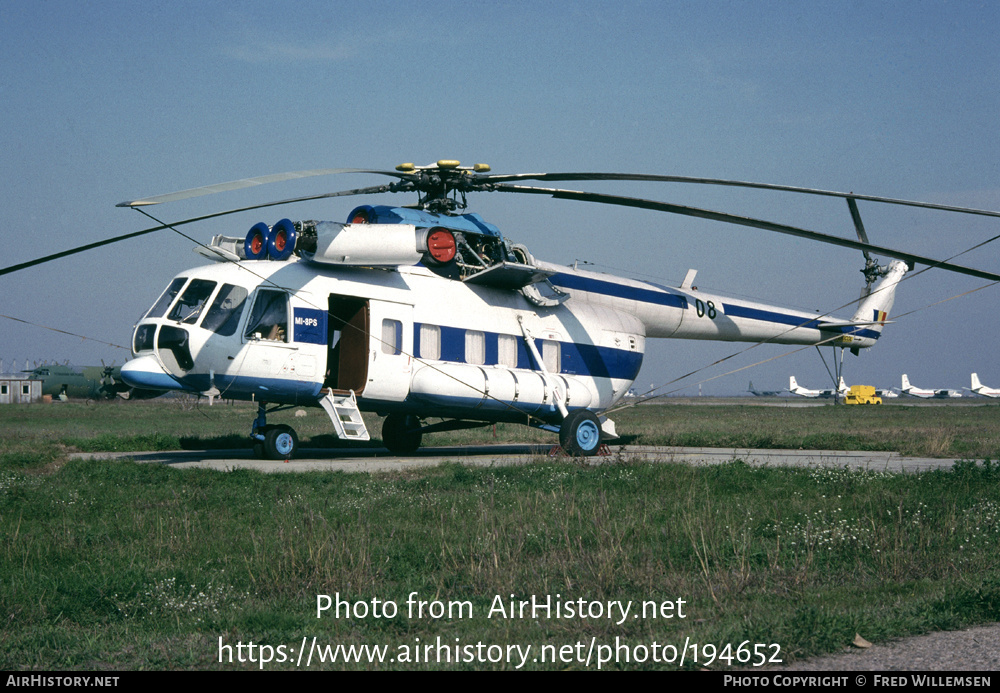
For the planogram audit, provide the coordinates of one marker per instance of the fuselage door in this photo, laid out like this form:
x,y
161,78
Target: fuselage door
x,y
347,325
390,353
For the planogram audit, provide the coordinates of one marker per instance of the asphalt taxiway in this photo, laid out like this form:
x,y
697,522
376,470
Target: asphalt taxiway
x,y
379,460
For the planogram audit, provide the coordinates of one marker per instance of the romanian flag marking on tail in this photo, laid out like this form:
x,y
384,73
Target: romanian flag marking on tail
x,y
880,316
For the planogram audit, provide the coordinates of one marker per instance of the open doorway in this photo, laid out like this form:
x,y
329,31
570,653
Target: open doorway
x,y
347,344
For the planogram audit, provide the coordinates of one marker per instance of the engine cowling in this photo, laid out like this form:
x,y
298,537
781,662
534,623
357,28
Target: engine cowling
x,y
380,244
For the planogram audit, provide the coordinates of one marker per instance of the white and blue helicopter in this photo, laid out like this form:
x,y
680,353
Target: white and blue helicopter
x,y
429,312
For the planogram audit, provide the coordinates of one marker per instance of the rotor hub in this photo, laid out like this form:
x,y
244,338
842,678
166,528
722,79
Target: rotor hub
x,y
873,271
442,186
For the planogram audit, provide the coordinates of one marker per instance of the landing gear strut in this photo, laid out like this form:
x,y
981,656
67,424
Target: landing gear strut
x,y
278,442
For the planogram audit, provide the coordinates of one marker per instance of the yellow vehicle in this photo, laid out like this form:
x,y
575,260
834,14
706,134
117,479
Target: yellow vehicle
x,y
862,394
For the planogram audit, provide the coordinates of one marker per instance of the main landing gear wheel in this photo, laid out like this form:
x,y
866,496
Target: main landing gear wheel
x,y
280,442
401,433
580,433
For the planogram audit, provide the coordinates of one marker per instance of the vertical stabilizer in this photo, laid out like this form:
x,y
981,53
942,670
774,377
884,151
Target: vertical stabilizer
x,y
876,305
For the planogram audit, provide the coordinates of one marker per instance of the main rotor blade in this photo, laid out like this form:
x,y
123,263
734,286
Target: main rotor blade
x,y
135,234
745,221
249,182
502,178
859,225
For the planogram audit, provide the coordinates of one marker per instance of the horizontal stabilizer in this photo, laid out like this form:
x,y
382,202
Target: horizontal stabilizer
x,y
853,323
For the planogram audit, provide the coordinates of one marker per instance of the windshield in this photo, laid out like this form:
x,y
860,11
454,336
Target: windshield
x,y
168,296
189,308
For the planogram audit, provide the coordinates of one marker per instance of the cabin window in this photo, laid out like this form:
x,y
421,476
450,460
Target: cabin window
x,y
168,296
192,303
475,347
269,316
507,350
430,342
227,308
392,337
25,389
550,356
3,389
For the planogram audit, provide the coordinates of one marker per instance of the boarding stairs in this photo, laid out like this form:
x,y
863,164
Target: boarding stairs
x,y
345,415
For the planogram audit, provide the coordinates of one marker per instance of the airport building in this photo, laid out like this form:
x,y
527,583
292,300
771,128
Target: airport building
x,y
14,390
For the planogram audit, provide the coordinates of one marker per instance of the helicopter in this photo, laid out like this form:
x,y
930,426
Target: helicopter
x,y
428,311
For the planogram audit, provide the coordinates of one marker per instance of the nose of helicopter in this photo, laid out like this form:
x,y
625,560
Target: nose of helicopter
x,y
145,372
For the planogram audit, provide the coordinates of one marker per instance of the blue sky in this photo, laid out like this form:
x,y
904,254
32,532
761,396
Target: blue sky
x,y
115,101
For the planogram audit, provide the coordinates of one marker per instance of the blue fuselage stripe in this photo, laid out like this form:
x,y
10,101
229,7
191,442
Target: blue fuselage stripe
x,y
630,293
575,359
770,316
795,321
663,297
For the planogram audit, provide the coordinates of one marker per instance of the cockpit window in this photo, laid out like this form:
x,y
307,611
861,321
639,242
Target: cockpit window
x,y
224,315
189,308
269,316
160,307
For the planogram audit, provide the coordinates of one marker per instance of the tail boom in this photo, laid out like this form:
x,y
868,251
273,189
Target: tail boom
x,y
686,313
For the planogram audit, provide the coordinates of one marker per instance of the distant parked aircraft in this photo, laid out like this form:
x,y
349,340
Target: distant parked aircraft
x,y
981,389
908,389
888,392
763,393
797,389
89,382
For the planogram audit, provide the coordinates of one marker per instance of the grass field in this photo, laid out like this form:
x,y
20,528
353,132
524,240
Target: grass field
x,y
116,565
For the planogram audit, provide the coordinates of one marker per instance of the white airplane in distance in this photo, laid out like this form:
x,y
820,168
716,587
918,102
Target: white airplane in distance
x,y
886,393
981,389
797,389
908,389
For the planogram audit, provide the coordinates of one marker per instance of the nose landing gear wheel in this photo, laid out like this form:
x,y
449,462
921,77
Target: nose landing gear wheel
x,y
580,433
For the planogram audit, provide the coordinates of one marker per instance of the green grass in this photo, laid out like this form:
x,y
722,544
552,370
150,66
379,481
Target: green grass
x,y
967,430
116,565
